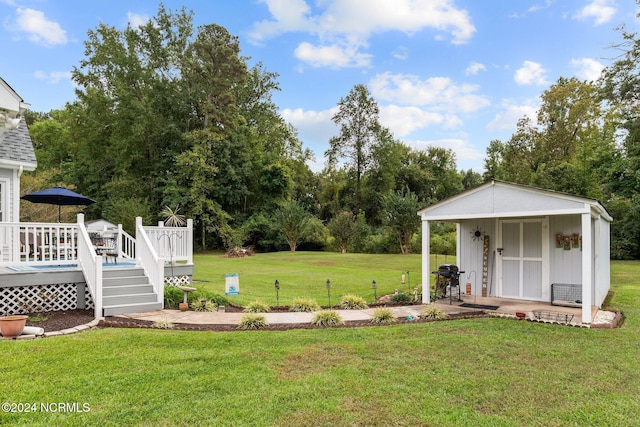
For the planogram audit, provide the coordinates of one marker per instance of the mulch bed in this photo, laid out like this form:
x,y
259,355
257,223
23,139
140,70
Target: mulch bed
x,y
59,320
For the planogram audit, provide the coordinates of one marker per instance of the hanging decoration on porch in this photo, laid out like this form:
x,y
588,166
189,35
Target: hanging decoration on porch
x,y
477,233
568,241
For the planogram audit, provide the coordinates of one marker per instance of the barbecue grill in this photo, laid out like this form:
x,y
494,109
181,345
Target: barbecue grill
x,y
448,280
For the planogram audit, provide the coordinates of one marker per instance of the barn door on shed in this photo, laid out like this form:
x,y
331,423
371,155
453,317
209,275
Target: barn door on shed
x,y
522,261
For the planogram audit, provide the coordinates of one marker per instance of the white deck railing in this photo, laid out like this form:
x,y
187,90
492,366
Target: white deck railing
x,y
127,244
172,243
38,243
148,259
30,243
91,265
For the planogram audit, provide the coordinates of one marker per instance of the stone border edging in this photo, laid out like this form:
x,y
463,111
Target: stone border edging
x,y
69,331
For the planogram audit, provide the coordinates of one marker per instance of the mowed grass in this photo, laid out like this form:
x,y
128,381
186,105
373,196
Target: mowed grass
x,y
304,274
475,372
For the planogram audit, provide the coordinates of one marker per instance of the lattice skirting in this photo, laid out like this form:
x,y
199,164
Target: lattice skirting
x,y
42,298
177,280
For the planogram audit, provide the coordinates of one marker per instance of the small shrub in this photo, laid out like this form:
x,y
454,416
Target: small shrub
x,y
437,294
163,324
306,305
257,307
433,312
172,297
353,302
383,315
402,298
219,300
253,321
201,294
203,305
327,318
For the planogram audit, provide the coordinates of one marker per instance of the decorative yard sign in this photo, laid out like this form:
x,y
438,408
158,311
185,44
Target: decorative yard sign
x,y
485,264
232,284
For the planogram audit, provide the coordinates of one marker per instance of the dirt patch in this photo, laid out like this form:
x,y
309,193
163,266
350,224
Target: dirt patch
x,y
59,320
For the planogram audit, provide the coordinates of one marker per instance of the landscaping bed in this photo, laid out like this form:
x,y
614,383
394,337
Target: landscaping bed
x,y
59,320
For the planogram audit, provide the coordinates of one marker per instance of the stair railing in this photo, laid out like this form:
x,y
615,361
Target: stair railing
x,y
91,264
148,258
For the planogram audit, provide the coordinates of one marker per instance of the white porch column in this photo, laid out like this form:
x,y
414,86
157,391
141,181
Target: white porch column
x,y
426,265
587,267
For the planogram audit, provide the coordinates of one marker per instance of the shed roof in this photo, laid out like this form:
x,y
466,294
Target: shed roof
x,y
16,148
500,199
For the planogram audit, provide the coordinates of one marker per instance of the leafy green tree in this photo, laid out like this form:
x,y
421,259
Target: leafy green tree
x,y
345,229
293,223
131,112
401,212
360,130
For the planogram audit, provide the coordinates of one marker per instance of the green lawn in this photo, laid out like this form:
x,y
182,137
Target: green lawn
x,y
304,274
476,372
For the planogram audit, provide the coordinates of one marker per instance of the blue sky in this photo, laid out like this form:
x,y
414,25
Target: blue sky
x,y
448,73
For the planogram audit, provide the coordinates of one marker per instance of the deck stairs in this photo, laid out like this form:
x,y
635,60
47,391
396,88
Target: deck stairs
x,y
127,290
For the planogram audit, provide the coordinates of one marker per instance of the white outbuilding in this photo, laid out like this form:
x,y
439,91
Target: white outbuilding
x,y
520,242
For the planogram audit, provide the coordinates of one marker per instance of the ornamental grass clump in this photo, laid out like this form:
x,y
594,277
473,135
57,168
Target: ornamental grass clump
x,y
353,302
434,313
306,305
163,324
383,315
327,318
203,305
253,321
257,307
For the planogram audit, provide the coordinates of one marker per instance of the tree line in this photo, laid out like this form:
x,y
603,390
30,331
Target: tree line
x,y
168,115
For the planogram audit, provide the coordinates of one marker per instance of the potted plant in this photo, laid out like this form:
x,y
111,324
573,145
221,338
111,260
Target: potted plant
x,y
12,326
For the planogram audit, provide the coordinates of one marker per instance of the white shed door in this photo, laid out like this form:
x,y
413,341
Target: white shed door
x,y
522,261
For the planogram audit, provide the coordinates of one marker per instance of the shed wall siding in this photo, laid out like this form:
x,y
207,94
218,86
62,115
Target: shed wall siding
x,y
565,266
471,255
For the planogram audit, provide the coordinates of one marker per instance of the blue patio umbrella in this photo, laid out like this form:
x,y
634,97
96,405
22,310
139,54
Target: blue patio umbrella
x,y
58,196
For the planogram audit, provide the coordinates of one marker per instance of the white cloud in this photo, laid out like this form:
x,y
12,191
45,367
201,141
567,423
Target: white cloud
x,y
600,10
40,29
137,20
364,17
333,56
53,77
346,25
508,118
401,53
474,68
402,121
313,126
441,93
587,68
540,6
530,73
289,16
461,147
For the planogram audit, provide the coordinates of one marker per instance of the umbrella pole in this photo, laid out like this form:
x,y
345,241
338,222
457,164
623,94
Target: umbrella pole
x,y
59,217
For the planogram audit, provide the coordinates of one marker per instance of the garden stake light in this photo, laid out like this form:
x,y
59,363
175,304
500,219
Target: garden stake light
x,y
375,295
277,293
409,281
329,291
